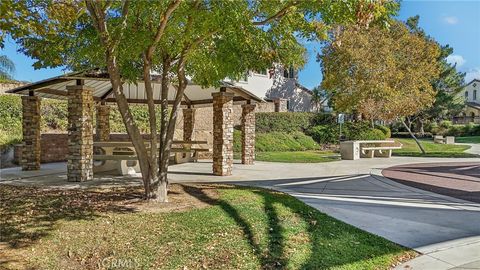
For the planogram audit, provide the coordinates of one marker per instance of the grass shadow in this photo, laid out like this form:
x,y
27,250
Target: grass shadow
x,y
332,242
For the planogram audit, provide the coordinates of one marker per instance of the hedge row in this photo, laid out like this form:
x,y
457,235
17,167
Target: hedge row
x,y
277,142
449,129
330,134
282,122
321,127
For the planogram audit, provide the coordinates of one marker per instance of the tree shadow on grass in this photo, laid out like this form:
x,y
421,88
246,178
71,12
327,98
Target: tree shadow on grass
x,y
331,242
272,258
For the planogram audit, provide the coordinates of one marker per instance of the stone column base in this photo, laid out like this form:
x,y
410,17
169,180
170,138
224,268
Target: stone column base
x,y
80,134
248,134
222,133
30,158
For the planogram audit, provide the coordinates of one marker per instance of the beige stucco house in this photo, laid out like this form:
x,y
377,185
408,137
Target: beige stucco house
x,y
471,112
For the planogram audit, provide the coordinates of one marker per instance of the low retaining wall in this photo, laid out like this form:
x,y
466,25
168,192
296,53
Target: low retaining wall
x,y
54,148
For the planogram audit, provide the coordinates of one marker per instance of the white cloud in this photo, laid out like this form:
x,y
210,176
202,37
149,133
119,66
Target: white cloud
x,y
456,59
472,74
450,19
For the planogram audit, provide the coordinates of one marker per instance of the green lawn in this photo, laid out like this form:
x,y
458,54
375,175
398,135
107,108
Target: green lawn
x,y
410,148
226,228
295,156
471,139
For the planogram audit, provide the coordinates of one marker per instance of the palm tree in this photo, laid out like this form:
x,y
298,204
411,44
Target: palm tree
x,y
7,68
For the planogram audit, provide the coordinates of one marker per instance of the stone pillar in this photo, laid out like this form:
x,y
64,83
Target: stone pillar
x,y
188,123
248,134
281,105
222,133
30,157
80,133
103,123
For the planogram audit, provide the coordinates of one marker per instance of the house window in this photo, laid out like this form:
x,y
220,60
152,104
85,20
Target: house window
x,y
285,73
474,94
466,94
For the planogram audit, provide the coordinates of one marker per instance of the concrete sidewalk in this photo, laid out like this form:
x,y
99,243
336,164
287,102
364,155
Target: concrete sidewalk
x,y
474,148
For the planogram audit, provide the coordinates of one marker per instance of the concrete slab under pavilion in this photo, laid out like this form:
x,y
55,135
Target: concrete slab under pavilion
x,y
91,91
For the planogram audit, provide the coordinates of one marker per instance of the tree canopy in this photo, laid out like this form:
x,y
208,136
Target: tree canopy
x,y
447,86
206,40
381,73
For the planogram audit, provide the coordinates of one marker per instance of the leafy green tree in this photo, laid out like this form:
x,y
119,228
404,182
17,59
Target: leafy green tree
x,y
7,68
207,40
381,73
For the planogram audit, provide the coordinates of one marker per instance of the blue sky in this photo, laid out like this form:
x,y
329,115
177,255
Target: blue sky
x,y
450,22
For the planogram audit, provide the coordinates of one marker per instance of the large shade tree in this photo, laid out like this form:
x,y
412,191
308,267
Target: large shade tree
x,y
205,40
381,73
448,85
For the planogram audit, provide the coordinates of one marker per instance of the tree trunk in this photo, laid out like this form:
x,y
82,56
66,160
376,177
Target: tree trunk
x,y
413,136
147,162
420,127
148,175
161,188
153,126
168,129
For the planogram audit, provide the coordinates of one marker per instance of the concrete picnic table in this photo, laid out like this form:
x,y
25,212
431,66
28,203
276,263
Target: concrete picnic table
x,y
122,156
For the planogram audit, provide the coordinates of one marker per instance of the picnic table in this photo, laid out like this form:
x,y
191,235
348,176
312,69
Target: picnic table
x,y
352,150
121,156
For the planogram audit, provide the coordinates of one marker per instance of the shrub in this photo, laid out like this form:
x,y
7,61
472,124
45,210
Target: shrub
x,y
446,124
329,134
324,134
386,130
355,130
283,121
323,119
277,142
54,114
372,134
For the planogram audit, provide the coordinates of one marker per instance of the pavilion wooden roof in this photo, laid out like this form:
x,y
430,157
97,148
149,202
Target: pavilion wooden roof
x,y
195,95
